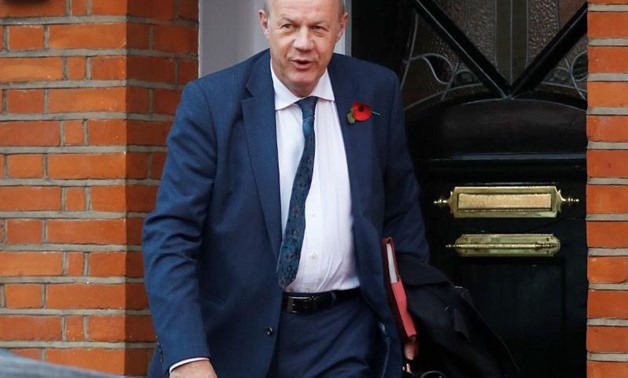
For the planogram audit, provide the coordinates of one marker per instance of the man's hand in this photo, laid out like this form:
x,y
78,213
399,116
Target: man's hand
x,y
196,369
411,348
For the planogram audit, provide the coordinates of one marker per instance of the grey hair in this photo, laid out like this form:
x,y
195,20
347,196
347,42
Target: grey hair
x,y
343,9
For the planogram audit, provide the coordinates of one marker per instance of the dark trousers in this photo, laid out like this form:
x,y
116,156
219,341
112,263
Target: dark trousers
x,y
340,342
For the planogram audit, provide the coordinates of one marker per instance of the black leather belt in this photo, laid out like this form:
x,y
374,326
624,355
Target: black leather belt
x,y
308,303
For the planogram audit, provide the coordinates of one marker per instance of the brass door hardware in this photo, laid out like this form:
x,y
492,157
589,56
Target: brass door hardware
x,y
506,245
505,202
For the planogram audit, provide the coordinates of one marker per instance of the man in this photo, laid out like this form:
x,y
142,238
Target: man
x,y
221,245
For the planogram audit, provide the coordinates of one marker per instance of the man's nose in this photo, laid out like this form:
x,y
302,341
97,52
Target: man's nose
x,y
303,40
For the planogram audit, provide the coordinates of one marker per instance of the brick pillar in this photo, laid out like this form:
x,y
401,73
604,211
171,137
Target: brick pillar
x,y
88,89
607,191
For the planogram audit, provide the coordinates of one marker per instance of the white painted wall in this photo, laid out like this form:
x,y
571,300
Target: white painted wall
x,y
229,32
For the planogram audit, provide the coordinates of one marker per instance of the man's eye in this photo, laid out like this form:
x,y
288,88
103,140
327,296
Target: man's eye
x,y
286,26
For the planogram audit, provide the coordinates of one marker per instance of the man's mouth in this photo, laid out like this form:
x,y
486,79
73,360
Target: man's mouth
x,y
302,63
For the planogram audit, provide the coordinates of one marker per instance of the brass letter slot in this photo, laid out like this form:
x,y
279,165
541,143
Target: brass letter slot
x,y
505,202
506,245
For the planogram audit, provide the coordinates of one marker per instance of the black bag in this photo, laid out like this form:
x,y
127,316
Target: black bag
x,y
454,341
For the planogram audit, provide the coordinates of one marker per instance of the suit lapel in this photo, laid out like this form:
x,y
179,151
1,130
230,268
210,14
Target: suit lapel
x,y
259,121
357,137
258,113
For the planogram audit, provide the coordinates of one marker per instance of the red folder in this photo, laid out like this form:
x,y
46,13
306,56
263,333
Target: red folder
x,y
398,300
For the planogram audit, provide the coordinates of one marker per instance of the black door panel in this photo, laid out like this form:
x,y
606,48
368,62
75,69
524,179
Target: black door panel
x,y
495,96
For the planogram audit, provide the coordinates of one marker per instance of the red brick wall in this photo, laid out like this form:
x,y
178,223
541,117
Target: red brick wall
x,y
607,190
86,98
88,89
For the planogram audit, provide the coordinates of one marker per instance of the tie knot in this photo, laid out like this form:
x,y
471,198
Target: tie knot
x,y
307,105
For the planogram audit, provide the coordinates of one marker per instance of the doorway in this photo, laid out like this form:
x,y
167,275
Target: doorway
x,y
495,103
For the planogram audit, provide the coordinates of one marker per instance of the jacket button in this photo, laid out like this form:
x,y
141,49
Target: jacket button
x,y
269,331
161,353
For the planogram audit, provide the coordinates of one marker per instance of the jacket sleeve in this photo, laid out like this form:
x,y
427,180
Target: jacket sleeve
x,y
172,232
402,219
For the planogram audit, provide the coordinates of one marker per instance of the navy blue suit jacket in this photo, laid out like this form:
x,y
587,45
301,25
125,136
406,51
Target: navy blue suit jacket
x,y
211,243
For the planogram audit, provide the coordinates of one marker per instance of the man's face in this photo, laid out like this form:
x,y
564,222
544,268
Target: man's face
x,y
302,35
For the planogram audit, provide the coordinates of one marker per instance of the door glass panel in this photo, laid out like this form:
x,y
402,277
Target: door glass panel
x,y
432,71
510,35
542,18
567,9
569,77
476,18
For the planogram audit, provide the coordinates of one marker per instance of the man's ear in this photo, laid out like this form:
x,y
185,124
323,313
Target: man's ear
x,y
263,22
343,25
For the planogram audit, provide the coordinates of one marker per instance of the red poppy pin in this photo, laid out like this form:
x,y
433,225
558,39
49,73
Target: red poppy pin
x,y
359,112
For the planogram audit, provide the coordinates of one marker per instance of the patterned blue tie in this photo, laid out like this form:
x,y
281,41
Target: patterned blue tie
x,y
290,251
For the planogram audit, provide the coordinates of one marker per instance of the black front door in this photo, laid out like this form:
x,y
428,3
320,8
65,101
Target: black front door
x,y
495,96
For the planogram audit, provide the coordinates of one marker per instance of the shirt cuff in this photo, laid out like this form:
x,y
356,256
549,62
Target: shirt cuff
x,y
174,366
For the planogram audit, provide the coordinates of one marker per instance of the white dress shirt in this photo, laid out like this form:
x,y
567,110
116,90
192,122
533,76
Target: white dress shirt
x,y
327,256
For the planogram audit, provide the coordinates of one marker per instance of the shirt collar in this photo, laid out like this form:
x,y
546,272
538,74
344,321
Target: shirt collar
x,y
285,98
